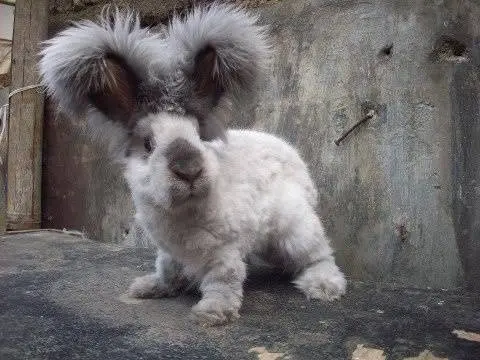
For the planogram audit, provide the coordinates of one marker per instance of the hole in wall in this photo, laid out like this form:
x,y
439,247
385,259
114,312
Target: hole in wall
x,y
449,49
387,50
456,47
368,105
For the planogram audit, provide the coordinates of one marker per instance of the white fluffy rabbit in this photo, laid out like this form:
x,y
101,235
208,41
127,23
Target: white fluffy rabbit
x,y
209,205
208,197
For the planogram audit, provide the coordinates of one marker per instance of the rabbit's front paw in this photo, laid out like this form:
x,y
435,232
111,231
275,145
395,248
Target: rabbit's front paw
x,y
211,312
323,281
150,286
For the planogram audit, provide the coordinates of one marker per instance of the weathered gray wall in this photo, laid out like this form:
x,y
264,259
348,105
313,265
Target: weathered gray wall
x,y
151,11
399,197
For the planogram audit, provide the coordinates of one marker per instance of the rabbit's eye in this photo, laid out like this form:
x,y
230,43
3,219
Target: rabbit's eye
x,y
147,143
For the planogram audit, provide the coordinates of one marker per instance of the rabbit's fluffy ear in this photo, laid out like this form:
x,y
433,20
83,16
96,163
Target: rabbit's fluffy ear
x,y
222,52
99,65
116,98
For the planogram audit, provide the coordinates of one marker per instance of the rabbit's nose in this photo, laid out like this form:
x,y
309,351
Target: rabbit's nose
x,y
188,173
184,160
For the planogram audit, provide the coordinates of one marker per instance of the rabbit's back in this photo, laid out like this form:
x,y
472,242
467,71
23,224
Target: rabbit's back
x,y
263,163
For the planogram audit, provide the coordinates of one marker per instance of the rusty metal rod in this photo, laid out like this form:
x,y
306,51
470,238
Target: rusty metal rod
x,y
369,115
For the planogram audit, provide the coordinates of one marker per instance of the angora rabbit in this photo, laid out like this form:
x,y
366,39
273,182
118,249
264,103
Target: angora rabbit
x,y
208,197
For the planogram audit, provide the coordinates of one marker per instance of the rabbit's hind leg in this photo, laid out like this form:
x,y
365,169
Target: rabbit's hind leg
x,y
307,252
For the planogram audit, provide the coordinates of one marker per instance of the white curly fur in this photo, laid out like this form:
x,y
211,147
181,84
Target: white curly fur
x,y
254,197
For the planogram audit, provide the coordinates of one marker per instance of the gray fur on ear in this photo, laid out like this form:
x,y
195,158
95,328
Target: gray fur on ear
x,y
100,65
222,52
115,70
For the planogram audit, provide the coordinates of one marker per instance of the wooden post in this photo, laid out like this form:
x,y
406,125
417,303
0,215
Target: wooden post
x,y
26,118
3,164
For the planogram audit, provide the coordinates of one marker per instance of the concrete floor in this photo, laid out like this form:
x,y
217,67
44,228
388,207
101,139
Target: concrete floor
x,y
63,297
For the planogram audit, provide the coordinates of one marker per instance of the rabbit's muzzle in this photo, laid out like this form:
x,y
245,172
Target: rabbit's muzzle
x,y
185,161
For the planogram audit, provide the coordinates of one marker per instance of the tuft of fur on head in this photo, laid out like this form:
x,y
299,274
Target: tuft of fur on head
x,y
240,44
117,73
222,52
94,69
74,64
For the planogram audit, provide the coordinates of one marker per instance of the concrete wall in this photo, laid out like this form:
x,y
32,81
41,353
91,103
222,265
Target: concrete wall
x,y
399,196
